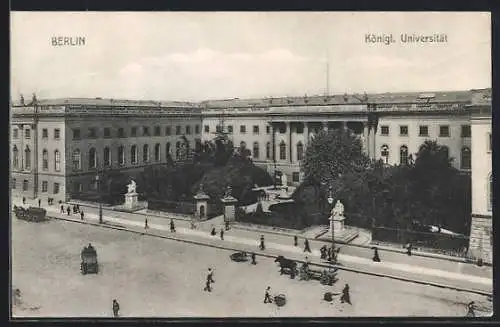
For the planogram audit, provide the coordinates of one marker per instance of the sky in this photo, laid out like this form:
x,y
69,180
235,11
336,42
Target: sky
x,y
194,56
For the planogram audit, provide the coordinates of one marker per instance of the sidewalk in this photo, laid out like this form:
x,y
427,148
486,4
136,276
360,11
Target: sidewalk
x,y
347,261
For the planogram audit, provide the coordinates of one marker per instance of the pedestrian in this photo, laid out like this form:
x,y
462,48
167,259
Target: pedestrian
x,y
262,246
267,296
74,208
213,232
408,249
470,309
78,208
295,240
116,308
24,200
68,209
210,276
222,234
345,298
39,202
323,252
330,251
62,208
146,223
48,201
81,215
172,226
306,246
253,259
376,257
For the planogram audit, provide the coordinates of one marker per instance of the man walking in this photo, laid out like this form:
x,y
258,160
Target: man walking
x,y
345,298
39,203
172,226
81,215
222,234
68,210
295,240
376,258
262,245
116,308
267,296
62,208
253,259
408,249
24,200
146,223
306,246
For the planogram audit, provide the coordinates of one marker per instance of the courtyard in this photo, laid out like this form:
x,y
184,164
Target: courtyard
x,y
152,277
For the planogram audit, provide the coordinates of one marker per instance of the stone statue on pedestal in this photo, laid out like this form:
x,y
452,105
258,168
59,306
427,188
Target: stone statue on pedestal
x,y
229,190
284,180
337,217
338,210
131,187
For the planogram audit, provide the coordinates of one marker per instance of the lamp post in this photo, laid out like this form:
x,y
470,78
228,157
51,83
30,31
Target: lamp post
x,y
330,202
97,178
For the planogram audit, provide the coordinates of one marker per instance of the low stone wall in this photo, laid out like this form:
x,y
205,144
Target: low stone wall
x,y
481,242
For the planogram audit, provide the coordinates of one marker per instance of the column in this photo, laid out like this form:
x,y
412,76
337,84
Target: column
x,y
289,138
21,150
306,134
373,131
366,132
273,126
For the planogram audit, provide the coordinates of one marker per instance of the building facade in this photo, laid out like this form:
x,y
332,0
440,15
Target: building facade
x,y
58,146
481,237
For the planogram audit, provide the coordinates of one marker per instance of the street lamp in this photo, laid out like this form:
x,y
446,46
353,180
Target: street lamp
x,y
97,178
332,227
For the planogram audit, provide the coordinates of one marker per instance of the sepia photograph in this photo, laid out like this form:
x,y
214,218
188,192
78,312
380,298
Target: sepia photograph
x,y
250,165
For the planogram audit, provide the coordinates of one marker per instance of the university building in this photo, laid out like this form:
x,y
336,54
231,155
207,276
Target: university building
x,y
59,146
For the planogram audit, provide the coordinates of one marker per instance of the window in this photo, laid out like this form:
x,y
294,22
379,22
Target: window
x,y
15,157
465,158
384,130
218,129
157,152
45,186
57,134
403,130
168,131
45,159
92,158
256,129
296,177
188,129
446,151
27,158
444,131
268,129
207,129
25,185
56,188
145,153
167,149
107,132
403,155
299,129
177,150
157,131
107,157
177,130
121,155
77,159
282,129
121,132
256,150
230,129
300,151
243,129
133,131
133,154
490,142
282,150
490,192
92,133
145,131
45,133
57,160
423,130
76,134
14,182
197,129
15,133
268,150
465,131
27,133
384,153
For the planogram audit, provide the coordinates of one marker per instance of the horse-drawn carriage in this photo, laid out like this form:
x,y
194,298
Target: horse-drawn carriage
x,y
325,276
239,256
32,214
89,263
287,266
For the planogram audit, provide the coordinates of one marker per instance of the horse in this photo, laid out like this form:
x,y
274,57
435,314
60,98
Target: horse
x,y
286,264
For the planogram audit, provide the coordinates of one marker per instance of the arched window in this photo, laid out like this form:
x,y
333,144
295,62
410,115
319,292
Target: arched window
x,y
268,150
177,149
167,149
465,158
121,155
133,154
45,159
403,155
15,157
300,151
384,153
145,153
107,157
157,152
256,150
282,150
77,160
92,158
27,158
490,192
57,160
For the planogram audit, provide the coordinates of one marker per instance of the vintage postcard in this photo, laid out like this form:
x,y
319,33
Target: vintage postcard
x,y
251,164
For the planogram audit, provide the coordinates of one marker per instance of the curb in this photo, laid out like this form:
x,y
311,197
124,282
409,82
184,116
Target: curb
x,y
359,271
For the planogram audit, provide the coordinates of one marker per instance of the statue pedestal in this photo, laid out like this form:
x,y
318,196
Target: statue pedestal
x,y
337,223
131,200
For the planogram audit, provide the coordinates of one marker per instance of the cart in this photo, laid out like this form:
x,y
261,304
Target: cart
x,y
89,263
32,214
280,300
239,256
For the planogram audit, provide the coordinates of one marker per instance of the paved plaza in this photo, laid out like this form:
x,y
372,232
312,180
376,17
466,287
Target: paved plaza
x,y
153,277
